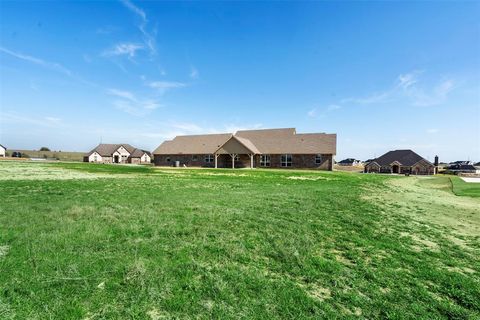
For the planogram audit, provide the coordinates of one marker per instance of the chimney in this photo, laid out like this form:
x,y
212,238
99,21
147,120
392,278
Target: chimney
x,y
436,161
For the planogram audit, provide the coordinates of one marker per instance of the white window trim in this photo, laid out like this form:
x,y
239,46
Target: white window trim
x,y
318,158
209,158
286,163
265,160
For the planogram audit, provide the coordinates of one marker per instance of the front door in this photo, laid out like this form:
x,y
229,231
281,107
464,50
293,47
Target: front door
x,y
116,159
395,169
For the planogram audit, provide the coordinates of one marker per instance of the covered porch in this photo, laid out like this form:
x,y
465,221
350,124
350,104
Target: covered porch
x,y
236,153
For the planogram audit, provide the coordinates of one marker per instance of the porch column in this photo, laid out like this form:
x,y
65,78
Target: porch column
x,y
216,158
233,160
251,161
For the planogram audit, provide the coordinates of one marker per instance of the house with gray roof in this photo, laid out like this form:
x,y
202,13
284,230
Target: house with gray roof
x,y
267,148
402,162
117,153
350,162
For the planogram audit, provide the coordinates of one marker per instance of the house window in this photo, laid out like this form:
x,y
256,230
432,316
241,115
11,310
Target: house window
x,y
286,160
168,159
318,159
265,160
237,158
95,158
194,157
209,158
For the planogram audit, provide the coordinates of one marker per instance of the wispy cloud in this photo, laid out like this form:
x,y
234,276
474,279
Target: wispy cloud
x,y
166,84
50,65
130,104
194,74
47,121
122,94
320,113
128,49
407,86
57,67
163,86
432,131
148,37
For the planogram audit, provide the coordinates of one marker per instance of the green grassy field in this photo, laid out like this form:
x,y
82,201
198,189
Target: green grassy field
x,y
60,155
462,188
85,241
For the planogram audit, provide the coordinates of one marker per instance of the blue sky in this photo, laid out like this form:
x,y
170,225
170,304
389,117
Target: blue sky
x,y
382,75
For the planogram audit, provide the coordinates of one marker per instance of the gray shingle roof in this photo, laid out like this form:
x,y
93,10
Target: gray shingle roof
x,y
107,149
404,157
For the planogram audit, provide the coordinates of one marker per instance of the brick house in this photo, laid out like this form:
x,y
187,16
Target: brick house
x,y
117,153
400,161
269,148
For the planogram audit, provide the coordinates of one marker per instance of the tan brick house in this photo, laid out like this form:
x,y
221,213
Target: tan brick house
x,y
269,148
400,161
117,153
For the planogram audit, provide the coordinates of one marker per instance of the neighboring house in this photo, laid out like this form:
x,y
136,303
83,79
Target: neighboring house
x,y
2,151
477,164
462,168
117,153
460,163
400,161
350,162
140,156
275,148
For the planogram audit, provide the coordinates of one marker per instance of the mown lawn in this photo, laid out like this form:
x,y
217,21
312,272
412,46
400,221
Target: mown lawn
x,y
462,188
82,241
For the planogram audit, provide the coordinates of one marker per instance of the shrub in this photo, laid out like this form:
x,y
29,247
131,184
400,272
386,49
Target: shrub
x,y
44,149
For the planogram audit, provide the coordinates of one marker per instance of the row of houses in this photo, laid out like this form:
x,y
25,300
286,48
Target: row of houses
x,y
266,148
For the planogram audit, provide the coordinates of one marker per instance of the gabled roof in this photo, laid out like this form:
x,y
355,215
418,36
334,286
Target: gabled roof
x,y
237,145
138,153
194,144
404,157
267,141
348,160
461,167
107,149
3,147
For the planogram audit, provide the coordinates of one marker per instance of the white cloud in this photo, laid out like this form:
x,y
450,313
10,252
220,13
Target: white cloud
x,y
314,113
136,108
163,86
194,74
148,38
407,86
122,94
37,121
333,107
432,131
129,103
50,65
128,49
166,85
53,119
